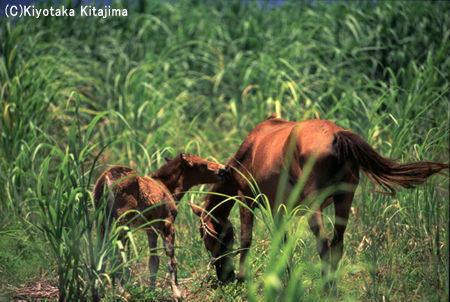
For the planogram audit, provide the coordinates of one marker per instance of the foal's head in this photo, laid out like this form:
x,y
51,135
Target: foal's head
x,y
186,170
197,170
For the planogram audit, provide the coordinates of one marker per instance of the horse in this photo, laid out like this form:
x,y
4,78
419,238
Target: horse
x,y
154,198
277,145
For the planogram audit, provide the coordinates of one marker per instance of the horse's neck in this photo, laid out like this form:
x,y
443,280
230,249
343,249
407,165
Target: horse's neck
x,y
214,202
171,176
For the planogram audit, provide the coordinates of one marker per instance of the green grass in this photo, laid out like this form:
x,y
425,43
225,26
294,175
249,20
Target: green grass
x,y
80,94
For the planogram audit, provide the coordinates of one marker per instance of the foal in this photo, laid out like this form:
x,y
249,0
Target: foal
x,y
160,191
338,155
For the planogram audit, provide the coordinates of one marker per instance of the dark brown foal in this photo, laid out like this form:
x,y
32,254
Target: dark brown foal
x,y
155,198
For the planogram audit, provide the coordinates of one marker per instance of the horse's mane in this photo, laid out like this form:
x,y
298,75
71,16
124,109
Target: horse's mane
x,y
165,172
240,155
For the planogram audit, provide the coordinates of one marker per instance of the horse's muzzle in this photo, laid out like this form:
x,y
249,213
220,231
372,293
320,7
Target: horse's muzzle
x,y
225,273
224,174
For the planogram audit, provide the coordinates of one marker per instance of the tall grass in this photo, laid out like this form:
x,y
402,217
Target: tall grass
x,y
197,76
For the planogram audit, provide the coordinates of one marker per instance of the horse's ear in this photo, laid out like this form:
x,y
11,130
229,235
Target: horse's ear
x,y
167,159
272,116
196,209
187,158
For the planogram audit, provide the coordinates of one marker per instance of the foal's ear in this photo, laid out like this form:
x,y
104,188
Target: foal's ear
x,y
187,158
196,209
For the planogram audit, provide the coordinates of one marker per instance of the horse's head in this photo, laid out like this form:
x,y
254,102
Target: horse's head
x,y
197,170
218,237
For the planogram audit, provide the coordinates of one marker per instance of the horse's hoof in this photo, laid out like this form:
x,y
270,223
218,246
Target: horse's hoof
x,y
178,298
331,287
240,278
227,277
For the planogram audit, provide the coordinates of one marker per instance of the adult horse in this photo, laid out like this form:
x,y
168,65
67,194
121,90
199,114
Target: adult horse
x,y
337,156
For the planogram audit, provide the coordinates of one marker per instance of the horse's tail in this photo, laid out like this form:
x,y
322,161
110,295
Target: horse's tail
x,y
382,171
98,192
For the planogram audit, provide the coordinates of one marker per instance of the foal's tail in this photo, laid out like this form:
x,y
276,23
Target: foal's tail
x,y
99,188
382,171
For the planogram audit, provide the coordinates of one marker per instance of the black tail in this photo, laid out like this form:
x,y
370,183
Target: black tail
x,y
383,171
98,193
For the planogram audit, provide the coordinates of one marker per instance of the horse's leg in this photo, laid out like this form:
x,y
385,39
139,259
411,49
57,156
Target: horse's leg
x,y
318,229
123,273
289,264
342,204
153,261
246,238
169,242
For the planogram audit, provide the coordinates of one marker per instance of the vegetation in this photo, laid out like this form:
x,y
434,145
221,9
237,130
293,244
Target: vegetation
x,y
80,94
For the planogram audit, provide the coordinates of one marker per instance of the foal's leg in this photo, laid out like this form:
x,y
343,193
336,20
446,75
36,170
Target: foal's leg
x,y
169,241
153,261
318,229
123,274
246,238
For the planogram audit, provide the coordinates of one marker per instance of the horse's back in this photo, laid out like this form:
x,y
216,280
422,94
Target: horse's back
x,y
134,193
270,141
316,137
274,142
145,195
110,175
116,173
312,135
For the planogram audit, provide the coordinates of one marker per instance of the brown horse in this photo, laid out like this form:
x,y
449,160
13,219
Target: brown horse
x,y
155,198
338,155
